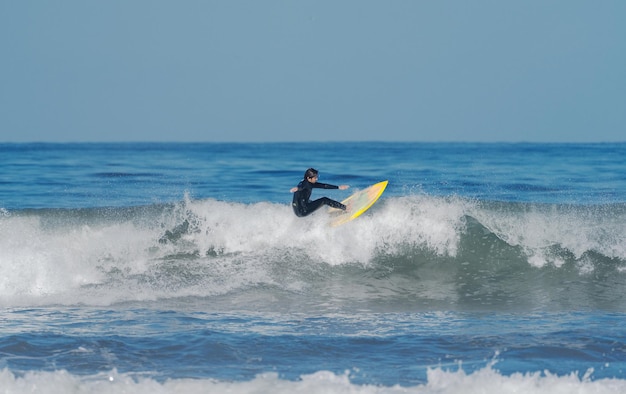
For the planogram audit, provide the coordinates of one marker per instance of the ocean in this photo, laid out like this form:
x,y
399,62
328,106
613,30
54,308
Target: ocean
x,y
181,268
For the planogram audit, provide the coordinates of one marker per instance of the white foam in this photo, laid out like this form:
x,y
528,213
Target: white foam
x,y
48,265
484,381
100,261
538,228
433,223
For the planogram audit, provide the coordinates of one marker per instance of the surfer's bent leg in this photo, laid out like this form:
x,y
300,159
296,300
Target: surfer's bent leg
x,y
313,205
299,211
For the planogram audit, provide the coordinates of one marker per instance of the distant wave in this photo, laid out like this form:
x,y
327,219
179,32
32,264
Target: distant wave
x,y
418,252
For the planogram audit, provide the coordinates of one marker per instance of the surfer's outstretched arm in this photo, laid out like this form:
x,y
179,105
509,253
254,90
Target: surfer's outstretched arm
x,y
320,185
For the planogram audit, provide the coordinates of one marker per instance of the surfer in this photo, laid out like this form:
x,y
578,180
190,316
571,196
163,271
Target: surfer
x,y
302,205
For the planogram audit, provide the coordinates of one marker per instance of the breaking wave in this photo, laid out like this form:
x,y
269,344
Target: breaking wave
x,y
417,253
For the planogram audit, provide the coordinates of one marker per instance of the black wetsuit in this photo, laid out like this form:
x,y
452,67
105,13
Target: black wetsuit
x,y
301,204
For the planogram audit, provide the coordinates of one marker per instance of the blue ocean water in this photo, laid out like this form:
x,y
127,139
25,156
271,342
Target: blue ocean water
x,y
181,268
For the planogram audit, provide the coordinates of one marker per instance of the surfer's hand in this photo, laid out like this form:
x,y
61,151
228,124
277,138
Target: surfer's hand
x,y
343,187
293,189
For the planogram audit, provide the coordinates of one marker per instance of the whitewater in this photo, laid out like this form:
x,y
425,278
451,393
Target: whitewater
x,y
181,268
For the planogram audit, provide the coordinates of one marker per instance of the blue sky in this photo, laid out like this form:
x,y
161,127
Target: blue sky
x,y
152,70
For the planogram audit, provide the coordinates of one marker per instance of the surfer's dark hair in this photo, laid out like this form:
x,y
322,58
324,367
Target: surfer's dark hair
x,y
310,173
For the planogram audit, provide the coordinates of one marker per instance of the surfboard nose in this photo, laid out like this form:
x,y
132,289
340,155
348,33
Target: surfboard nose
x,y
359,202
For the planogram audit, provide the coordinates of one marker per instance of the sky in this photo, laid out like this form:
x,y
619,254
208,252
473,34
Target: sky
x,y
328,70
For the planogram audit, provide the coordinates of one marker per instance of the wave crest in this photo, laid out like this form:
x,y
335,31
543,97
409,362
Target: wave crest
x,y
418,250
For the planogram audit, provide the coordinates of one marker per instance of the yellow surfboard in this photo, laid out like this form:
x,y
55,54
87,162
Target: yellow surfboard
x,y
358,203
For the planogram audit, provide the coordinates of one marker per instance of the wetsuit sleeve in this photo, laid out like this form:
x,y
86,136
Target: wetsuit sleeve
x,y
320,185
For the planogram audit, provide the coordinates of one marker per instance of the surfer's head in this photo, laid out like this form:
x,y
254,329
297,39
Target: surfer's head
x,y
310,174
